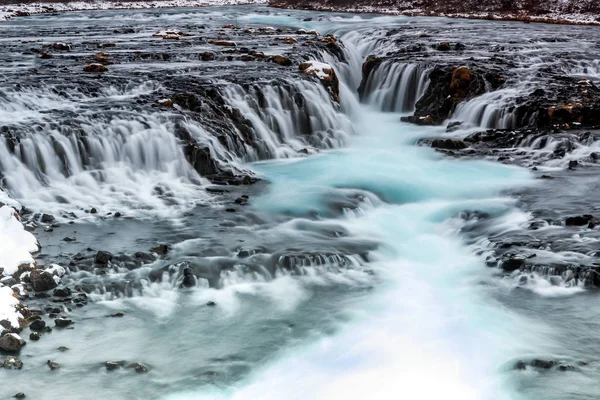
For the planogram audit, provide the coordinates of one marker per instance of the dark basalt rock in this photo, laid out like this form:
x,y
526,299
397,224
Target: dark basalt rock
x,y
103,257
579,220
63,322
161,249
42,280
448,144
113,365
511,262
37,325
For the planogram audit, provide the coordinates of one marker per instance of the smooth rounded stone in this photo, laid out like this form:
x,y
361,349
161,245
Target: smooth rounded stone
x,y
103,257
47,218
63,322
34,336
113,365
11,343
12,362
69,239
8,281
42,280
119,314
37,325
211,304
53,365
139,368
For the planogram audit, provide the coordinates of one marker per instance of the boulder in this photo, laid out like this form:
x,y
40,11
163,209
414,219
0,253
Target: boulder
x,y
11,343
42,280
579,220
103,257
38,325
61,46
95,68
207,56
63,322
12,362
102,58
281,60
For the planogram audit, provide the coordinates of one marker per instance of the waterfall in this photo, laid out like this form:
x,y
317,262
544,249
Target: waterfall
x,y
395,87
492,110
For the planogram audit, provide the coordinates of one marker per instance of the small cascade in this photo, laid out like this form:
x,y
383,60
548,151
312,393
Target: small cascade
x,y
395,87
492,110
287,117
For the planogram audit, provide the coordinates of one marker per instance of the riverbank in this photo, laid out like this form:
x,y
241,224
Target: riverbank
x,y
424,9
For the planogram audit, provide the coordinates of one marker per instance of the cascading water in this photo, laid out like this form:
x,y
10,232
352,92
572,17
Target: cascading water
x,y
395,87
351,274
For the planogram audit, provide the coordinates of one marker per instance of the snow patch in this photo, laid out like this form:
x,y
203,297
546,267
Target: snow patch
x,y
16,244
8,307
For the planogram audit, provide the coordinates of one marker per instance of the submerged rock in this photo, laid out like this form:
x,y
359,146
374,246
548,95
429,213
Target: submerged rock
x,y
12,362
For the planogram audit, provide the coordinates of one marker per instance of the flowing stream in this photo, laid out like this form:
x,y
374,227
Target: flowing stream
x,y
383,294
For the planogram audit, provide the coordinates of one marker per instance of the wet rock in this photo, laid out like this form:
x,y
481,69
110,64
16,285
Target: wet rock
x,y
146,257
53,365
211,304
443,46
512,262
69,239
62,292
207,56
139,368
96,68
118,314
45,55
103,257
35,336
281,60
242,200
113,365
225,43
61,46
11,343
47,218
63,322
542,364
161,249
102,58
42,280
448,144
19,395
12,362
579,220
188,279
37,325
62,349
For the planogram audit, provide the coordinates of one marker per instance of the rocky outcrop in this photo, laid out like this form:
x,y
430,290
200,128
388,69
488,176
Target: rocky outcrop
x,y
448,87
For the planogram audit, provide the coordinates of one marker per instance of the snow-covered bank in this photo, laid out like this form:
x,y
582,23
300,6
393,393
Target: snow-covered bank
x,y
14,10
576,12
16,246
